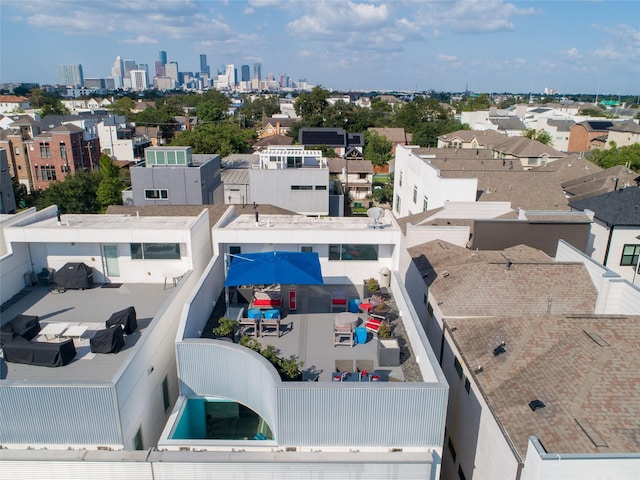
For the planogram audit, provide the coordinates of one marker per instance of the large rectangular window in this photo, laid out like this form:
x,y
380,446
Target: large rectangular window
x,y
156,194
630,254
48,173
45,150
155,251
398,203
63,151
415,194
353,252
301,187
457,366
166,400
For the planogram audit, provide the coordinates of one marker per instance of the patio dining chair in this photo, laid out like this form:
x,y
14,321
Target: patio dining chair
x,y
339,301
343,335
270,326
344,365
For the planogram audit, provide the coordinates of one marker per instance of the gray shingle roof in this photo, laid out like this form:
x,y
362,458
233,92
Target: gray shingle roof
x,y
621,207
600,182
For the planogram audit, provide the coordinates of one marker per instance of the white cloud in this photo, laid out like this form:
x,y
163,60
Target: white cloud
x,y
573,53
140,39
447,58
330,18
248,11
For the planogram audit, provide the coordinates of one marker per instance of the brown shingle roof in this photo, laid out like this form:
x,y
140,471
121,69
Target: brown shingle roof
x,y
394,135
582,368
354,166
477,283
600,182
569,168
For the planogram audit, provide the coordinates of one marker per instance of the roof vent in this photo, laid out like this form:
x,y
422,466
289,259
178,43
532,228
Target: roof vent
x,y
478,369
536,404
499,350
445,274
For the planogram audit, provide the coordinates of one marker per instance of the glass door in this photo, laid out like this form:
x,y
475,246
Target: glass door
x,y
111,260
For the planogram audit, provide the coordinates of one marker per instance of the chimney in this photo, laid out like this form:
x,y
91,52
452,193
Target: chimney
x,y
187,122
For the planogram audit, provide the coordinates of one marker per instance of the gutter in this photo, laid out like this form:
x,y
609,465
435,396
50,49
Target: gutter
x,y
606,252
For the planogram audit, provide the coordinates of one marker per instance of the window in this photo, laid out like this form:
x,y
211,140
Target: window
x,y
429,307
63,151
630,255
16,150
47,173
452,450
398,203
424,300
45,150
425,204
306,248
155,251
532,161
362,176
321,187
400,180
415,194
165,394
156,194
467,385
457,366
353,252
301,187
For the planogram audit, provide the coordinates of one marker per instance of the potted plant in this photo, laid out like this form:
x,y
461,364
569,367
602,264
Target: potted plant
x,y
384,331
290,368
372,285
226,327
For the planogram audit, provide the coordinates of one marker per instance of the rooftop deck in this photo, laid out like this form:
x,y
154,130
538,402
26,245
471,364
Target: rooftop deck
x,y
307,333
91,308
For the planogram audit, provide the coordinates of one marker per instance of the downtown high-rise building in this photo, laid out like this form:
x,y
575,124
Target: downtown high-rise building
x,y
71,75
245,73
204,67
230,72
257,71
171,71
138,80
162,56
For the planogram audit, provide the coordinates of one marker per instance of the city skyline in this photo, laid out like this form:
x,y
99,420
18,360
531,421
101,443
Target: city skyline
x,y
492,46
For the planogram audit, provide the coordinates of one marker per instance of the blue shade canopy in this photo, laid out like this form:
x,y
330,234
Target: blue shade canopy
x,y
288,268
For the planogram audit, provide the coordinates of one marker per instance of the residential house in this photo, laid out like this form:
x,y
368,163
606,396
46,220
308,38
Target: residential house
x,y
343,143
397,136
275,126
272,141
570,168
103,407
530,153
600,181
427,178
558,130
615,232
61,151
119,139
624,134
355,175
515,404
13,104
583,134
174,176
472,139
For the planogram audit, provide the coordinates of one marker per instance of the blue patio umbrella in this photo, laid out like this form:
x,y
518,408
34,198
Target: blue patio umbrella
x,y
264,268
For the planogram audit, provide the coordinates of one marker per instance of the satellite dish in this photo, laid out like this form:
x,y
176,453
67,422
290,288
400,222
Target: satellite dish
x,y
375,213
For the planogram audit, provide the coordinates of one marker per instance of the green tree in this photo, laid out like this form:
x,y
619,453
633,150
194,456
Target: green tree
x,y
541,136
311,103
76,194
48,103
224,139
110,188
377,149
123,106
610,157
261,107
383,192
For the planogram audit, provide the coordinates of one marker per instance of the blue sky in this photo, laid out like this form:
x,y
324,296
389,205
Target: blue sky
x,y
489,45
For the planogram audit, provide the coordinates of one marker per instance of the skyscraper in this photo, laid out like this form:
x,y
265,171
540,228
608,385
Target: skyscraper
x,y
204,68
145,67
71,75
138,80
128,66
171,70
163,57
257,71
231,74
245,73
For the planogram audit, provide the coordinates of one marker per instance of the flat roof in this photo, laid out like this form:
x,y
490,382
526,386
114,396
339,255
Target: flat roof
x,y
583,368
301,222
111,222
90,307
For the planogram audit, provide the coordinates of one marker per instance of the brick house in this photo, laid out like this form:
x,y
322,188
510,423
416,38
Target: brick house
x,y
583,135
61,151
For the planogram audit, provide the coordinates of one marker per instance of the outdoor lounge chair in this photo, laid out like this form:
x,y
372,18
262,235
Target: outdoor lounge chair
x,y
339,301
344,365
373,325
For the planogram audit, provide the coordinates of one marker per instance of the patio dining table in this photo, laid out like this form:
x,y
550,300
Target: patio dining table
x,y
346,319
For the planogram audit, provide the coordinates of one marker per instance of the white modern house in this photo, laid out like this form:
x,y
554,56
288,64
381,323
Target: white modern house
x,y
161,392
119,140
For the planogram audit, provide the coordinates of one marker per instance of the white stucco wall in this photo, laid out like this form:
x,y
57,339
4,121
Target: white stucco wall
x,y
411,172
622,236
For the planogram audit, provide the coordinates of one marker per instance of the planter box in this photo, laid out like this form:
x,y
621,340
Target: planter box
x,y
388,352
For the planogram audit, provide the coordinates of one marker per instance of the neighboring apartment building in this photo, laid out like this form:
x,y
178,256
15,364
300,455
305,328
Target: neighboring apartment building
x,y
519,337
427,178
584,134
119,139
624,134
615,231
59,152
174,176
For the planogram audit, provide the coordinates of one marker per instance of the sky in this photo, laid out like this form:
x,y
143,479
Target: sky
x,y
480,45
